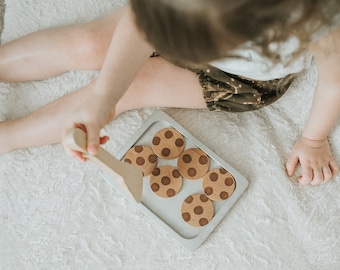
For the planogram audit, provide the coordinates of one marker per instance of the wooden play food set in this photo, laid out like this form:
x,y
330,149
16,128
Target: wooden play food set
x,y
186,188
185,169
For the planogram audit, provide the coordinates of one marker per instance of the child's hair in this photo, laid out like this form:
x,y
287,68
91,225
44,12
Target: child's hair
x,y
199,31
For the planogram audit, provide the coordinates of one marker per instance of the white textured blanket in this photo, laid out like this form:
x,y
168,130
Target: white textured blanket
x,y
56,213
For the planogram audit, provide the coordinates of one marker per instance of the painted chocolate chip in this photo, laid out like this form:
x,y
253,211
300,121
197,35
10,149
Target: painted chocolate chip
x,y
186,216
140,161
170,192
213,176
224,195
189,199
156,141
203,160
165,180
155,187
152,158
198,210
223,171
204,198
203,221
138,148
208,190
168,134
179,142
187,158
127,160
229,181
156,172
175,173
166,152
192,172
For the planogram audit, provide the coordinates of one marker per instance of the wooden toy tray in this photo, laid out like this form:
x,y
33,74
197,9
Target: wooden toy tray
x,y
166,212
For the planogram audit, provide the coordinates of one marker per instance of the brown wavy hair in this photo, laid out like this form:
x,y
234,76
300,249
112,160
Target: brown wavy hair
x,y
199,31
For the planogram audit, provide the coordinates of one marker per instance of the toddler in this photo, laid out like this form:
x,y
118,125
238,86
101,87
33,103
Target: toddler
x,y
225,55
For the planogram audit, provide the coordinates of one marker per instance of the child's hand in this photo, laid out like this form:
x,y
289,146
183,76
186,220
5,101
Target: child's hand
x,y
94,113
316,160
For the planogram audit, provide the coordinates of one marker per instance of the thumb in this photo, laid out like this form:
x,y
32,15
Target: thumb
x,y
93,139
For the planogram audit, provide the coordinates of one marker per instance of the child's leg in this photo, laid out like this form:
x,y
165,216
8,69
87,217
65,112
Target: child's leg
x,y
162,84
51,52
158,84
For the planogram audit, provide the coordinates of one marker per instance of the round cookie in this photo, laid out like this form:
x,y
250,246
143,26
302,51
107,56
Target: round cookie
x,y
197,210
193,163
166,181
143,157
218,184
168,143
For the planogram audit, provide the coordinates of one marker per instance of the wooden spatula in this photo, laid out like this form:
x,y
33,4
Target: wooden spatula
x,y
128,177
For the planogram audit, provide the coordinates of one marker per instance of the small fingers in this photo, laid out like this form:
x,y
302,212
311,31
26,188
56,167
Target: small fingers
x,y
77,155
74,154
307,175
104,139
93,142
318,175
317,163
330,171
334,168
327,176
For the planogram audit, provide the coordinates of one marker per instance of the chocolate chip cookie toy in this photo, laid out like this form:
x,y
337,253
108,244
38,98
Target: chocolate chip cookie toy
x,y
218,184
166,181
193,163
143,157
197,210
168,143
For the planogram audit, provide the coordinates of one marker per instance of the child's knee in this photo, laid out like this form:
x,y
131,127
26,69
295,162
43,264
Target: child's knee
x,y
88,49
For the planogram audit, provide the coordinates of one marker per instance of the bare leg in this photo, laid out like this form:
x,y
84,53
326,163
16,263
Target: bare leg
x,y
162,84
158,84
51,52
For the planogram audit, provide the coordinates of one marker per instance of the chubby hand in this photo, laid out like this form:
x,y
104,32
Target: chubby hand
x,y
317,163
91,116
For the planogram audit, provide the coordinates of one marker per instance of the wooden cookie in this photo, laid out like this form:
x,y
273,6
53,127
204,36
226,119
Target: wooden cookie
x,y
218,184
166,181
143,157
168,143
193,163
197,210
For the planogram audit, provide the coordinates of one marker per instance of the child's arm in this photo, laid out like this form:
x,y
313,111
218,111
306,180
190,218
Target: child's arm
x,y
312,150
126,55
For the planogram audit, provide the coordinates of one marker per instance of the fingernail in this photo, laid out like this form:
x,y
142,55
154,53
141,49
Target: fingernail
x,y
92,150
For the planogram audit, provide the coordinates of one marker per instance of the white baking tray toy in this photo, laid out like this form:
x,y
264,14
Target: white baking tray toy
x,y
187,188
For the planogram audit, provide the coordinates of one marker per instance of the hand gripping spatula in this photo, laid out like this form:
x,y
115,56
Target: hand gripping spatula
x,y
128,177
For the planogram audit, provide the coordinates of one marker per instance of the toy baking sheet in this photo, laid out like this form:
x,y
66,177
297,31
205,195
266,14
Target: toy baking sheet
x,y
166,212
